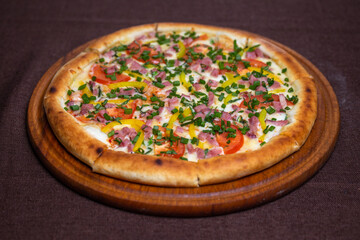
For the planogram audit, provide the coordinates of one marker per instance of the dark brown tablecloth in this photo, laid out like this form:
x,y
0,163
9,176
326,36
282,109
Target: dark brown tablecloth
x,y
34,34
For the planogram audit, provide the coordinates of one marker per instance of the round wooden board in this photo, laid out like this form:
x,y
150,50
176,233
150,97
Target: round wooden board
x,y
209,200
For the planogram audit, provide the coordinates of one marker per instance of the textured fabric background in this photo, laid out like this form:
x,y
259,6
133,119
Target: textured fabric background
x,y
35,205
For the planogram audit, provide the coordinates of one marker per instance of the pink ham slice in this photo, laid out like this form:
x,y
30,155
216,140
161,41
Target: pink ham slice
x,y
201,108
190,148
109,54
110,105
206,61
280,123
126,92
252,79
215,72
253,125
111,70
188,41
85,108
197,86
200,153
282,100
135,66
201,115
250,55
214,152
275,85
161,75
226,116
208,137
147,131
255,54
259,53
211,98
179,130
213,83
277,106
195,67
261,88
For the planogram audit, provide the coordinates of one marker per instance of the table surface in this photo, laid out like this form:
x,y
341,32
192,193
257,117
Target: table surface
x,y
34,204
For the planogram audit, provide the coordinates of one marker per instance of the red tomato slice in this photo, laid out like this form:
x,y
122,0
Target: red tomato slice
x,y
119,112
255,63
83,119
262,103
240,66
200,38
177,146
100,75
230,145
137,49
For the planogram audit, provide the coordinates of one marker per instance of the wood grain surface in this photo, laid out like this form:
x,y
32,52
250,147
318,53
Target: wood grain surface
x,y
243,193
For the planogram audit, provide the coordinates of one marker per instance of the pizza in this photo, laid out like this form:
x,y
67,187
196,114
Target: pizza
x,y
181,105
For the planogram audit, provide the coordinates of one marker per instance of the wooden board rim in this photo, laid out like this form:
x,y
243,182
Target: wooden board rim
x,y
203,201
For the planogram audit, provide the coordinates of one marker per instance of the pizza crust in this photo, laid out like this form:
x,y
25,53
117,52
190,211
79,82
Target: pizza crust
x,y
229,167
164,171
66,128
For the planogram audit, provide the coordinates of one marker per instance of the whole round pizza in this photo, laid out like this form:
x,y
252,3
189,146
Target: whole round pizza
x,y
181,105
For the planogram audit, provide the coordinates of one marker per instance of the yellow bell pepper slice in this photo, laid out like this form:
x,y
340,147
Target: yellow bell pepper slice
x,y
127,84
228,98
171,122
231,80
183,81
136,75
86,90
269,74
187,112
192,130
262,137
201,145
109,126
182,50
139,141
134,123
278,90
243,90
116,101
262,117
193,135
149,66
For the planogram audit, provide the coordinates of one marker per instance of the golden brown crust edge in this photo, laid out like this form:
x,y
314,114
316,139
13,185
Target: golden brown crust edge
x,y
121,36
160,171
66,128
230,167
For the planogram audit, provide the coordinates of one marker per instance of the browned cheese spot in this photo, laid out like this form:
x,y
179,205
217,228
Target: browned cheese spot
x,y
99,150
52,90
308,90
158,162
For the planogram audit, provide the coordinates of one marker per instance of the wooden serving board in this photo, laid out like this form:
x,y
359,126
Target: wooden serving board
x,y
246,192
